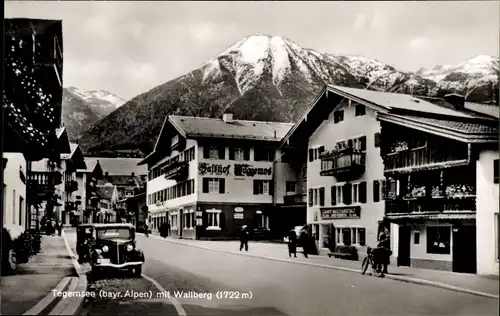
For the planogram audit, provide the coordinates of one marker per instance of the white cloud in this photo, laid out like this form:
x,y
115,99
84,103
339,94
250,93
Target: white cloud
x,y
419,43
360,21
378,22
204,32
145,72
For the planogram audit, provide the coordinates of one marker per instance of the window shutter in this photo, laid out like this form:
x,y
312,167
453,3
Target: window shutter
x,y
222,220
206,151
310,196
333,195
205,185
376,190
271,187
362,192
376,140
231,153
222,152
311,154
384,190
247,153
255,187
362,140
495,170
321,196
347,193
222,186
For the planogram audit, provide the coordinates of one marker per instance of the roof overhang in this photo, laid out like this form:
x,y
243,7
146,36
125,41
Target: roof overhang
x,y
439,130
313,111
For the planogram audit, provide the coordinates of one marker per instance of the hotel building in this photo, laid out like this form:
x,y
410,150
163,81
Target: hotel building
x,y
208,177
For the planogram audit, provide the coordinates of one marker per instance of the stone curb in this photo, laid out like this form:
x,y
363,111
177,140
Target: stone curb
x,y
388,276
72,305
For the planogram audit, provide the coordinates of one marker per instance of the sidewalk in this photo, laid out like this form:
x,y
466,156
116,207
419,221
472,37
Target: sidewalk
x,y
37,278
484,284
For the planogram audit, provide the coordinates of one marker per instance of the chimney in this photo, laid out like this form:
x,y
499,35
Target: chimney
x,y
133,174
227,117
455,99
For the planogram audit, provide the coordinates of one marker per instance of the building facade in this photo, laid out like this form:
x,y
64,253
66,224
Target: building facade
x,y
15,217
209,177
440,194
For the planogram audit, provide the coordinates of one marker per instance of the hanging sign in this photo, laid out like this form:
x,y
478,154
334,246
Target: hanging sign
x,y
238,209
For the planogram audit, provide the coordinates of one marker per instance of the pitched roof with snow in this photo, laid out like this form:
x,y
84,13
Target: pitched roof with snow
x,y
118,166
236,129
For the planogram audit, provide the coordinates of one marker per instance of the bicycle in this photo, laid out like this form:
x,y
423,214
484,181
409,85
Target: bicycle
x,y
377,268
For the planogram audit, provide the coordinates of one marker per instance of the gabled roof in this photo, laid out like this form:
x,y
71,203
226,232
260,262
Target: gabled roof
x,y
92,165
190,126
63,140
382,102
119,166
76,156
458,129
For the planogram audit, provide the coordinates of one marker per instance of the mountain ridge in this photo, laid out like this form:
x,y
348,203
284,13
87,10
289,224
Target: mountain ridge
x,y
270,78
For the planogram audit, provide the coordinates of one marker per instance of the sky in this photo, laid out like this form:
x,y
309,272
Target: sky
x,y
128,48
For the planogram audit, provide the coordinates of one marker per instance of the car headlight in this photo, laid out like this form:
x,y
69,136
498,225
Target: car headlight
x,y
130,247
105,248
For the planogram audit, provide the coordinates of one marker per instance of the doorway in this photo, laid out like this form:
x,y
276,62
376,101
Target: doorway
x,y
464,249
404,246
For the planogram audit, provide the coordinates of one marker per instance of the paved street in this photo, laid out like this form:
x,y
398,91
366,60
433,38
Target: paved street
x,y
277,288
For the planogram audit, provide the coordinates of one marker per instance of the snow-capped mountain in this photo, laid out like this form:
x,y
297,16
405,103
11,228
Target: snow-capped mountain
x,y
272,78
81,109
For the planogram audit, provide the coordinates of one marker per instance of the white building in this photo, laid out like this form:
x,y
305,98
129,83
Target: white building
x,y
15,218
208,177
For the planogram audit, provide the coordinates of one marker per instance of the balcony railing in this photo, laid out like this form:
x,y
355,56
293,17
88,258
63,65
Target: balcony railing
x,y
343,162
44,182
295,199
176,170
422,157
428,205
71,186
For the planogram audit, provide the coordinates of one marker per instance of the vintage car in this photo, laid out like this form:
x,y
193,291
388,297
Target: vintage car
x,y
109,246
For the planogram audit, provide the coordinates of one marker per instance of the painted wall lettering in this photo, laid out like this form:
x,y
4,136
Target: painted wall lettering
x,y
213,169
249,171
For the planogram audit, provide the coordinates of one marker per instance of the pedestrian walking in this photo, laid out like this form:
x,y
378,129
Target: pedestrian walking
x,y
292,243
304,241
244,236
146,230
59,228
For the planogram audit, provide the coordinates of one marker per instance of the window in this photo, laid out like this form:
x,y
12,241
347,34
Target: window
x,y
495,170
355,193
213,218
239,154
214,185
21,207
314,153
291,186
264,154
175,140
213,153
361,236
416,238
378,190
346,236
376,140
262,220
174,221
354,235
338,116
438,239
360,110
340,194
304,171
262,187
187,220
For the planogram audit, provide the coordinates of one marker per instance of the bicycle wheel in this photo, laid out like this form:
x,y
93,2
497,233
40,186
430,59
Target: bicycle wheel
x,y
364,265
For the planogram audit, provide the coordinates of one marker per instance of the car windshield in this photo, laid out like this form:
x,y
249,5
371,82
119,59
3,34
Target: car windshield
x,y
114,233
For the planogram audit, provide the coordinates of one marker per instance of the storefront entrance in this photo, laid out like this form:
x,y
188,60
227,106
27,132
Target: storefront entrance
x,y
464,249
404,246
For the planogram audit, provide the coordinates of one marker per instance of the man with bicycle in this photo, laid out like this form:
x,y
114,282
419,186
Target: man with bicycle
x,y
384,248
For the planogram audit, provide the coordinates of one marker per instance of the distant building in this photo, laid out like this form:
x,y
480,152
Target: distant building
x,y
208,177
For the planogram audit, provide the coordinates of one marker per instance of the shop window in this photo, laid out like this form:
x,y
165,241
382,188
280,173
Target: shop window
x,y
346,236
361,236
438,239
213,217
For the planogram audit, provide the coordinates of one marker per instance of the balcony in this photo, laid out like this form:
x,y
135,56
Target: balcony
x,y
71,186
295,200
344,162
44,183
431,207
176,170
